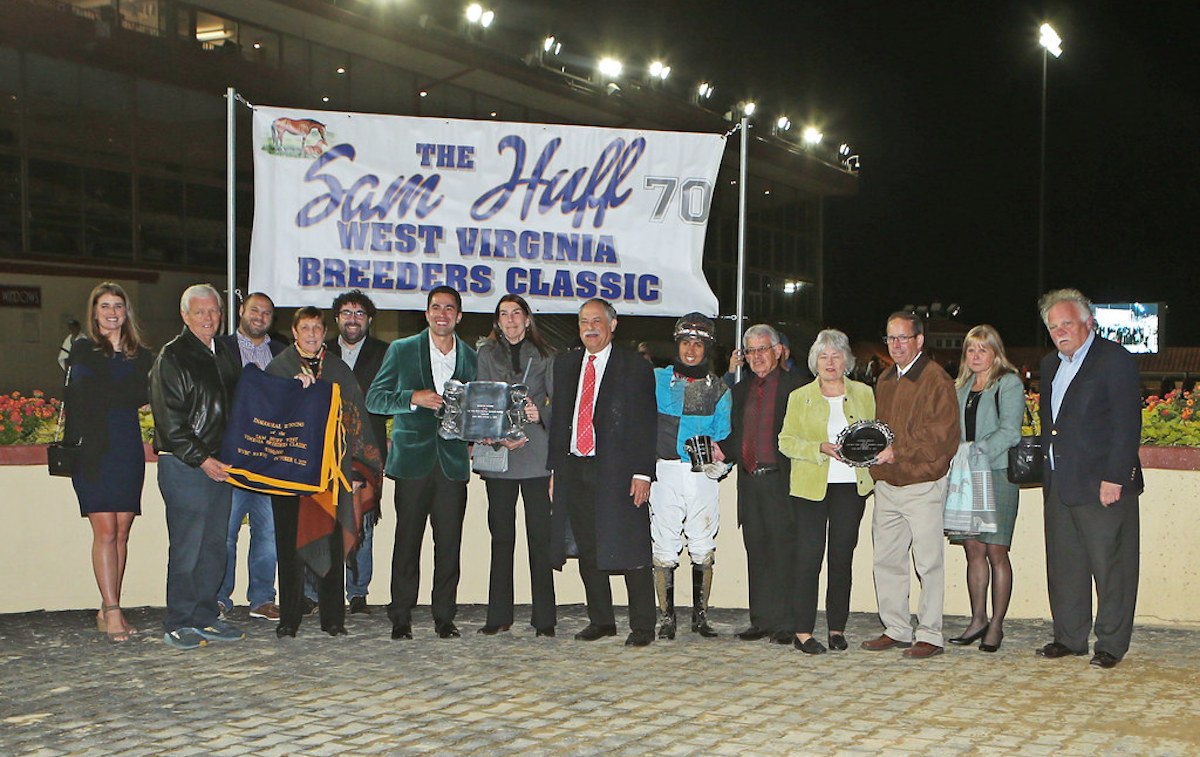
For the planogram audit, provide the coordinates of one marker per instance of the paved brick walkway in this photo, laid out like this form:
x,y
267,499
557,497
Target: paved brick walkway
x,y
66,690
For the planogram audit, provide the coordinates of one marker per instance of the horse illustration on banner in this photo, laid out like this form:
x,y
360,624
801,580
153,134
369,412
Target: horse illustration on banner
x,y
303,128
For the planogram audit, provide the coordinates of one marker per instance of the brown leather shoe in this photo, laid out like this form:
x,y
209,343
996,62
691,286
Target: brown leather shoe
x,y
884,642
922,650
266,611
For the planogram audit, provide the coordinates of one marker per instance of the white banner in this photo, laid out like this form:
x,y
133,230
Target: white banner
x,y
395,206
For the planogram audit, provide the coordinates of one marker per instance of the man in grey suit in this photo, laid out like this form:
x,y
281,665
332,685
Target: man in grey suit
x,y
1091,426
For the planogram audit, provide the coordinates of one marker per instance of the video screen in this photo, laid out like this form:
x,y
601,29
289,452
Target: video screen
x,y
1133,325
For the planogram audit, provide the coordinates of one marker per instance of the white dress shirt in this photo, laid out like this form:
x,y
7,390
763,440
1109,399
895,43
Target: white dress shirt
x,y
442,365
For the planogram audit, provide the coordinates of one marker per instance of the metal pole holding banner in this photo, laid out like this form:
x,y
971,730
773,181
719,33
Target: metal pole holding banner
x,y
741,268
230,212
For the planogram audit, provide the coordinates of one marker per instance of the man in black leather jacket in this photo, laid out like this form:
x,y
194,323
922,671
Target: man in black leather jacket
x,y
191,390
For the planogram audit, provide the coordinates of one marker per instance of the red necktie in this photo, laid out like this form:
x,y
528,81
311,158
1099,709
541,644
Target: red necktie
x,y
585,433
750,436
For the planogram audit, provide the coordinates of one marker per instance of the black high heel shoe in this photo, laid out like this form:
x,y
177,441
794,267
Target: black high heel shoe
x,y
985,647
963,641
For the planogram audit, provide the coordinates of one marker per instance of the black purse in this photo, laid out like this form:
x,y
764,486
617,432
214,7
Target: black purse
x,y
61,457
1025,460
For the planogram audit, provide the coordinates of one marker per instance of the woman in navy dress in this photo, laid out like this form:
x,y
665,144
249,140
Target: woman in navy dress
x,y
107,386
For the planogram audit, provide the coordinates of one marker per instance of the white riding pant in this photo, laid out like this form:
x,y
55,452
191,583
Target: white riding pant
x,y
683,503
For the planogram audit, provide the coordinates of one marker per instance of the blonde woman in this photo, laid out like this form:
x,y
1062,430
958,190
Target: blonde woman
x,y
991,401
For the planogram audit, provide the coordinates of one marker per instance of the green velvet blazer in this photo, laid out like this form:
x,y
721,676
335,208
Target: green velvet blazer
x,y
416,445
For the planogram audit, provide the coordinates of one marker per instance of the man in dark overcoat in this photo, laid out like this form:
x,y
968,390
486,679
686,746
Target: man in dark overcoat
x,y
601,456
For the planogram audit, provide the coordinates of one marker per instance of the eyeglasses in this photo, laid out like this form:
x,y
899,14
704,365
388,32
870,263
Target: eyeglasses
x,y
352,313
756,350
899,338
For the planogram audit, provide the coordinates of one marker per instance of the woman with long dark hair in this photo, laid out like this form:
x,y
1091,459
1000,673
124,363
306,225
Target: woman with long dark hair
x,y
107,384
516,354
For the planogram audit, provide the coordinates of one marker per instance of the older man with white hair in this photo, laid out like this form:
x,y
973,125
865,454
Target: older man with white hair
x,y
1091,413
191,387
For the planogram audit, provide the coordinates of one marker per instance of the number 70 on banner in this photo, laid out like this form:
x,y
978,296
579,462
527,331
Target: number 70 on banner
x,y
695,198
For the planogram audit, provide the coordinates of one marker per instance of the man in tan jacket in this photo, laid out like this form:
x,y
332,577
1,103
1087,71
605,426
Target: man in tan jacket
x,y
916,398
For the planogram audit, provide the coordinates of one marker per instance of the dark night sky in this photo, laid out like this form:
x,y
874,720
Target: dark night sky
x,y
942,100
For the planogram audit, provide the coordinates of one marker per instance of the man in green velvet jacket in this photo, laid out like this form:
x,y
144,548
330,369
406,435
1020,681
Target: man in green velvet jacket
x,y
430,472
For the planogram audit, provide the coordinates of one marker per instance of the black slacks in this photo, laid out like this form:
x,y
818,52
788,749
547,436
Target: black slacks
x,y
442,503
837,518
1087,543
580,477
769,533
291,570
502,522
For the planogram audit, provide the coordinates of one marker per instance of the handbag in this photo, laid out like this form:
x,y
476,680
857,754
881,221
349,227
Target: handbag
x,y
487,458
61,457
1025,459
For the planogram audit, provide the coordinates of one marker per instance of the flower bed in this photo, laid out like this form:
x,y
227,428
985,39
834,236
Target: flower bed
x,y
28,420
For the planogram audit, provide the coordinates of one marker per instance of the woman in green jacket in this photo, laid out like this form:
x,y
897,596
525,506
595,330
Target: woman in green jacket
x,y
827,494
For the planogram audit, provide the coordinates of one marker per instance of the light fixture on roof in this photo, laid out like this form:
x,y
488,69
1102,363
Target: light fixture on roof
x,y
609,67
782,124
477,14
340,70
659,70
551,46
813,136
847,157
748,107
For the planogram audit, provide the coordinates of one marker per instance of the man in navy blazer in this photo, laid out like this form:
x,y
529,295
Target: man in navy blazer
x,y
1091,413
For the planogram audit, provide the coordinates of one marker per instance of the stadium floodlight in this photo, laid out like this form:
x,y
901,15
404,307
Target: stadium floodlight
x,y
610,67
1050,40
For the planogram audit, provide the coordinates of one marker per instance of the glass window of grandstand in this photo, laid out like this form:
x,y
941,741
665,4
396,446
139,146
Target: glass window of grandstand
x,y
259,45
379,88
107,216
205,225
10,96
329,77
162,236
10,205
